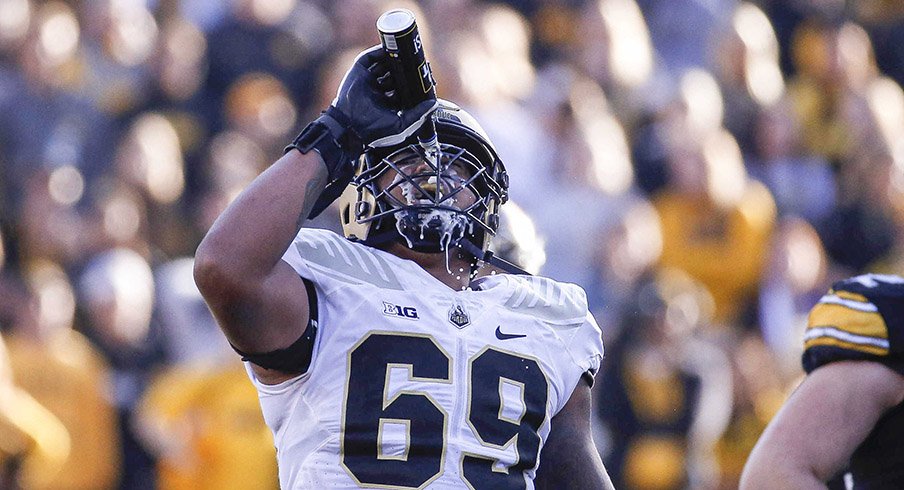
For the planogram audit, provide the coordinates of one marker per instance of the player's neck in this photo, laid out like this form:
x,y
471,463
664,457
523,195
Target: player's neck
x,y
436,264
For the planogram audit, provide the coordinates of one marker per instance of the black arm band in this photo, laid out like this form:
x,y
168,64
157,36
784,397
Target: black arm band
x,y
334,140
338,146
317,136
295,358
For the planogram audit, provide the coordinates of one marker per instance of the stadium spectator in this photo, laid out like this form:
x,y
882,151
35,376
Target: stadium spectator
x,y
116,295
747,68
757,394
796,274
66,374
625,257
803,184
834,62
665,396
611,44
860,231
716,222
34,445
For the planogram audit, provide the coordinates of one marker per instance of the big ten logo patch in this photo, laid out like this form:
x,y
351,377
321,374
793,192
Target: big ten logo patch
x,y
407,312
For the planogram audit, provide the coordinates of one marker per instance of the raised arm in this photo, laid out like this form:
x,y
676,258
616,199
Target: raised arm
x,y
569,459
821,424
259,301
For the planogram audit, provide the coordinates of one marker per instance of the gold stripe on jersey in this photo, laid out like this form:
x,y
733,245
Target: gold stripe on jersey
x,y
867,324
851,296
833,342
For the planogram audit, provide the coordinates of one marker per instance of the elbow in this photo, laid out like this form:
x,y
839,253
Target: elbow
x,y
227,270
212,272
206,270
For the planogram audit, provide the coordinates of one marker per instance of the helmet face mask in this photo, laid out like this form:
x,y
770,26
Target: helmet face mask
x,y
399,193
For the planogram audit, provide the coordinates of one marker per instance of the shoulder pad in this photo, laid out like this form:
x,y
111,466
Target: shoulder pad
x,y
333,256
860,318
549,300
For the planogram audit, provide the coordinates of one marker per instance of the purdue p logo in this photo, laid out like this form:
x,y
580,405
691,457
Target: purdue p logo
x,y
459,317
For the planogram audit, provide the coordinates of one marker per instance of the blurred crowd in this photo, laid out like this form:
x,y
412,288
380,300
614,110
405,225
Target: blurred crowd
x,y
703,168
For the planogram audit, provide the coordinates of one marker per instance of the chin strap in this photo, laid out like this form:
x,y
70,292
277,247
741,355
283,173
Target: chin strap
x,y
489,257
379,238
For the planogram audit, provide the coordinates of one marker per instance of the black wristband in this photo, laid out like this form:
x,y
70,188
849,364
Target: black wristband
x,y
338,146
317,136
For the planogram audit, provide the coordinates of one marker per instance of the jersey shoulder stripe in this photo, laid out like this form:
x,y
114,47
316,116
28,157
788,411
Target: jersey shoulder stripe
x,y
839,338
859,319
854,320
549,300
850,300
344,261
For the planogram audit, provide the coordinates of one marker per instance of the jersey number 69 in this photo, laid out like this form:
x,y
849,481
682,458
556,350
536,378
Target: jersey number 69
x,y
369,411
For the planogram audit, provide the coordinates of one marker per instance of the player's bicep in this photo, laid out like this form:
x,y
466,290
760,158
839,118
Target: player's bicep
x,y
822,423
569,459
265,315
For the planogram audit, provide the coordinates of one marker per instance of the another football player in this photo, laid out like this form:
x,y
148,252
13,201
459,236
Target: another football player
x,y
847,415
381,361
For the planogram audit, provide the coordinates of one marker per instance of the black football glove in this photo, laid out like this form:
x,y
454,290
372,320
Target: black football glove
x,y
364,113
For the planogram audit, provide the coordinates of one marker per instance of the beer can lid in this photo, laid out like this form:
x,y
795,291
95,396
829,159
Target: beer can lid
x,y
395,21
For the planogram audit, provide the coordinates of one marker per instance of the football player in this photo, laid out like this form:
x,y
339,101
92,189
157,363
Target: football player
x,y
379,361
847,414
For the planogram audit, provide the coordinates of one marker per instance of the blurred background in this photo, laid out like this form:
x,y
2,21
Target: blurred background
x,y
703,168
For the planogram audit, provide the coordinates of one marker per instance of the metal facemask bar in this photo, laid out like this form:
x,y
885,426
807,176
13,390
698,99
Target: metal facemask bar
x,y
430,194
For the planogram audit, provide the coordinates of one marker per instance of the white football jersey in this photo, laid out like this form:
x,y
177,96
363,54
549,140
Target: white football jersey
x,y
415,385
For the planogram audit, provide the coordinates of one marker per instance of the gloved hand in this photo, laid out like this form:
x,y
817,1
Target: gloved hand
x,y
364,112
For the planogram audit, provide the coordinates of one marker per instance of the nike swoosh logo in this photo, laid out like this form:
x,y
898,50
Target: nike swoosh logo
x,y
508,336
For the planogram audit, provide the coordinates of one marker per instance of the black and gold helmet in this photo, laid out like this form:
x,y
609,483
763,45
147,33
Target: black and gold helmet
x,y
427,218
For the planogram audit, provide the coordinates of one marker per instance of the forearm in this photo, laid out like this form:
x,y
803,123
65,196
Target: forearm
x,y
802,448
250,236
820,426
